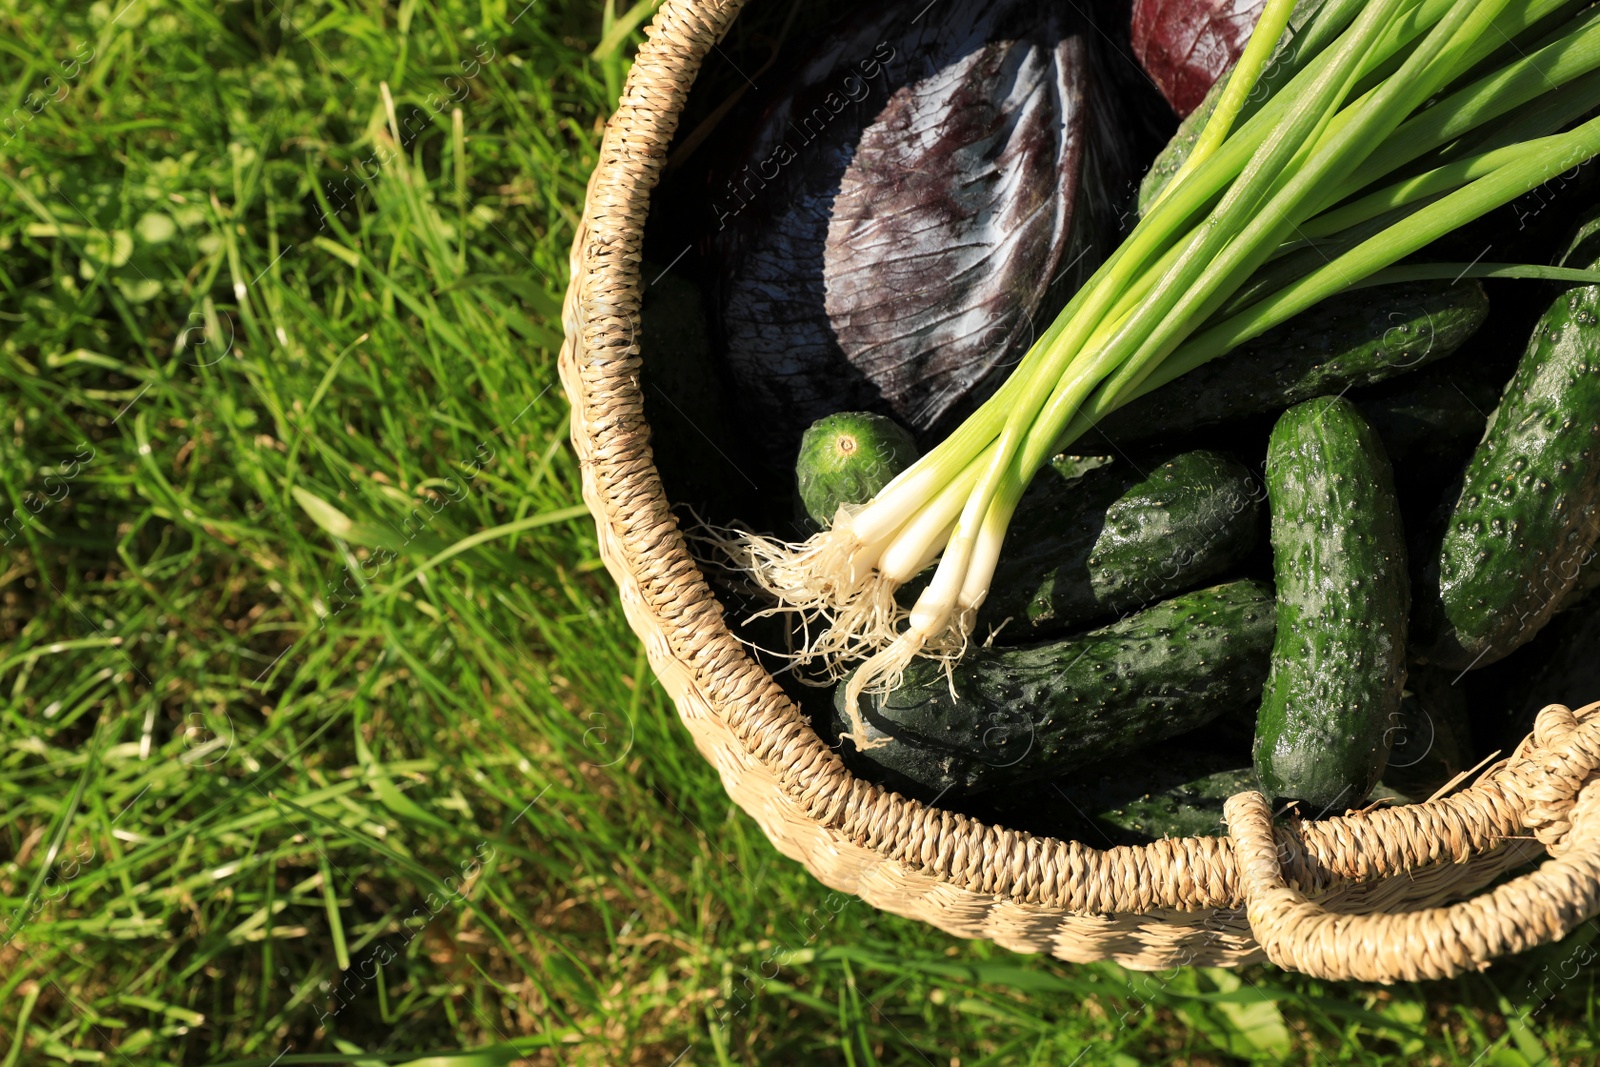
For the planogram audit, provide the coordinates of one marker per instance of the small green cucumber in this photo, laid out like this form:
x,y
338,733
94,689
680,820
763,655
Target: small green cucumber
x,y
1430,740
1354,339
1016,714
1117,538
1339,563
846,458
1173,789
1527,511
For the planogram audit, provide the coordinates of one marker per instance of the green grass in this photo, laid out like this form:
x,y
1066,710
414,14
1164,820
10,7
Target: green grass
x,y
324,740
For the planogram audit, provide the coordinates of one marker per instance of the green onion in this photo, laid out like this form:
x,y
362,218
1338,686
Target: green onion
x,y
1383,126
1274,20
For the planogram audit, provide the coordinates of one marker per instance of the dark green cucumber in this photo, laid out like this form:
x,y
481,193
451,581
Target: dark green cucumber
x,y
1350,340
1177,789
1339,562
1172,789
846,458
1089,547
1430,740
1527,511
1191,808
1025,713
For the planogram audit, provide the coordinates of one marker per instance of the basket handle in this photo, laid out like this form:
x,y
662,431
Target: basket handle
x,y
1563,810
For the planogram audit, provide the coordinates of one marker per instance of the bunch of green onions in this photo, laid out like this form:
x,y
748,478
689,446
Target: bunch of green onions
x,y
1380,126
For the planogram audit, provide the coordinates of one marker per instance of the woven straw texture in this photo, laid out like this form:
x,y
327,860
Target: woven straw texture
x,y
1385,895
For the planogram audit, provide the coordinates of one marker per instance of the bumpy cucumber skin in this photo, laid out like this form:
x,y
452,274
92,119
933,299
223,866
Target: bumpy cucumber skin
x,y
1350,340
1527,514
1339,563
828,475
1112,540
1189,809
1027,713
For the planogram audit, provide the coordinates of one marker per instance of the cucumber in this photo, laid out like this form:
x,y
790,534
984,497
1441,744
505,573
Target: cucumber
x,y
1190,808
1350,340
846,458
1090,547
1527,510
1014,715
1174,789
1430,740
1177,791
1339,560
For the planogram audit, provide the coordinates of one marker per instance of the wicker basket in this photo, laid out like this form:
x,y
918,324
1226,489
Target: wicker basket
x,y
1367,896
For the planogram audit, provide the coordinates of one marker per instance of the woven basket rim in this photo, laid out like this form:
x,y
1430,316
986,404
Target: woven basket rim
x,y
1180,900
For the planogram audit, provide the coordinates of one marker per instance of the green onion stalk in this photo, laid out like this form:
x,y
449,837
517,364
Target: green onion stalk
x,y
1336,150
